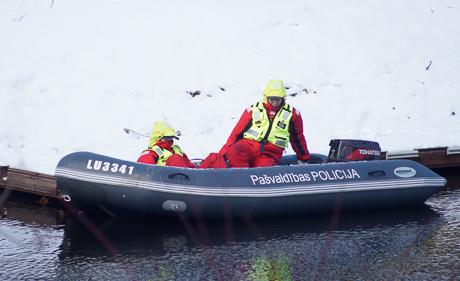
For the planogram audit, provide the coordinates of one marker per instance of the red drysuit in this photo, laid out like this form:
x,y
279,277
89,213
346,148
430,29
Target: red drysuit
x,y
150,157
214,160
241,152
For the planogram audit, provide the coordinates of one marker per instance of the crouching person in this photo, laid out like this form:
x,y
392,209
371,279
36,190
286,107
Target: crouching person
x,y
162,151
264,130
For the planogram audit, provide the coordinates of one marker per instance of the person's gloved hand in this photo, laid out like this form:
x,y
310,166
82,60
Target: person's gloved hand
x,y
312,160
301,162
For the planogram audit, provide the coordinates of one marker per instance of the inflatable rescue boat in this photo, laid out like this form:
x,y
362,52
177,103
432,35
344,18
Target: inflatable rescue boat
x,y
130,189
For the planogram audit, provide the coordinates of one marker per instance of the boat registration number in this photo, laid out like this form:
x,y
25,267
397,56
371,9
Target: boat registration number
x,y
109,167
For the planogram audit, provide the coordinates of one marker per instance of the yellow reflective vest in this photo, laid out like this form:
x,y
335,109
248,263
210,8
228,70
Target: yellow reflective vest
x,y
164,154
275,132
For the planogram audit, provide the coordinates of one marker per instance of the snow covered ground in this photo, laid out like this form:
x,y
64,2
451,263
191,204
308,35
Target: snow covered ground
x,y
75,73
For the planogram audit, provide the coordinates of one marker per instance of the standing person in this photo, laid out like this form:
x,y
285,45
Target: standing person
x,y
163,151
263,131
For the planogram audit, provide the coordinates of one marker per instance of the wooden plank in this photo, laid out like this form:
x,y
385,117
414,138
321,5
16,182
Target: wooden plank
x,y
438,158
430,157
31,182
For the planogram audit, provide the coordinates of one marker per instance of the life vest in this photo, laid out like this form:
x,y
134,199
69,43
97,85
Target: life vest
x,y
275,132
164,154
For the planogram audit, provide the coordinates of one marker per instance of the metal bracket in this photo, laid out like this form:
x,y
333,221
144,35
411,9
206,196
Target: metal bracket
x,y
4,173
453,150
406,154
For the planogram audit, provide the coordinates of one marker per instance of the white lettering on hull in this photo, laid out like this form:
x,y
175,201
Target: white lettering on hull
x,y
331,175
107,166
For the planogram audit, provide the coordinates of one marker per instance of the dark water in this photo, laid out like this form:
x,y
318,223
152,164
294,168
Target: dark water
x,y
49,243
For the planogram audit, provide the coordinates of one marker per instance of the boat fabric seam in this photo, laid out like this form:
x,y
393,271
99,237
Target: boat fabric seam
x,y
257,191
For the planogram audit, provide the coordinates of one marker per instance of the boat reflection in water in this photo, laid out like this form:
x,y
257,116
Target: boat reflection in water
x,y
371,245
421,243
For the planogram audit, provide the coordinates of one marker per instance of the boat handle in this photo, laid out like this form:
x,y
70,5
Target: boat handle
x,y
376,173
178,174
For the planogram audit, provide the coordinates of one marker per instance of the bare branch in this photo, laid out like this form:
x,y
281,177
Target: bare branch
x,y
428,66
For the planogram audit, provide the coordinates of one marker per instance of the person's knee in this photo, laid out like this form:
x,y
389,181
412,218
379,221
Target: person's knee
x,y
264,162
214,161
177,161
238,156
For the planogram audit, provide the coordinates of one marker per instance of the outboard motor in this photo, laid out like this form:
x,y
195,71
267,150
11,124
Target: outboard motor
x,y
353,150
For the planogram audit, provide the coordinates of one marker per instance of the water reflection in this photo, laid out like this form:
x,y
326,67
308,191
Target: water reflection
x,y
41,243
30,239
373,245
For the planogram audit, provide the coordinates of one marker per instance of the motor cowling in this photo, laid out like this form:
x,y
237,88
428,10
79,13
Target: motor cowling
x,y
353,150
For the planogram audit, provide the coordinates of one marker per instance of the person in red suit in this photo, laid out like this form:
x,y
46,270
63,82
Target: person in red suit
x,y
263,131
163,151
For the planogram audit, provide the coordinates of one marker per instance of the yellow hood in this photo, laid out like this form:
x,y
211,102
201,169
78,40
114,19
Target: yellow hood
x,y
161,129
275,88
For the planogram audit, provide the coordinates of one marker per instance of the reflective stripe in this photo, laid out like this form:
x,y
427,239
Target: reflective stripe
x,y
253,133
276,85
257,115
164,154
159,151
280,143
285,115
177,150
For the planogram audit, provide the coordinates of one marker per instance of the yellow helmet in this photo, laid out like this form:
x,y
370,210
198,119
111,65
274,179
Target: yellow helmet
x,y
275,88
161,129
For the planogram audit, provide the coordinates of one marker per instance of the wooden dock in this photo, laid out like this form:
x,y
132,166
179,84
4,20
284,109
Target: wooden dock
x,y
433,158
30,182
45,185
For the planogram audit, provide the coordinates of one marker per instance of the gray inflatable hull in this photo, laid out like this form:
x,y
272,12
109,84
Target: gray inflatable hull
x,y
126,189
